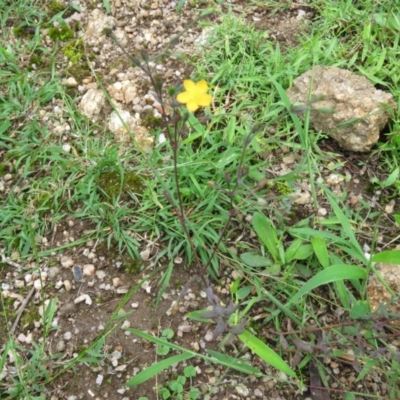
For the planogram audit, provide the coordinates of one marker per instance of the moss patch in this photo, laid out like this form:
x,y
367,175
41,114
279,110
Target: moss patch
x,y
112,186
63,32
74,51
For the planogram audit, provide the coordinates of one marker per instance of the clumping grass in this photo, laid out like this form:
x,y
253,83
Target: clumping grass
x,y
194,198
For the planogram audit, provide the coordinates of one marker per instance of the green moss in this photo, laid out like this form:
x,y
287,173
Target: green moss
x,y
283,188
149,120
74,51
56,7
112,185
133,267
62,33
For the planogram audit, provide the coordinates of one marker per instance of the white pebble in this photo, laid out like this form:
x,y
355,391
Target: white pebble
x,y
21,338
126,324
67,262
19,283
99,380
83,297
38,284
101,274
209,336
116,282
68,335
88,269
68,285
66,147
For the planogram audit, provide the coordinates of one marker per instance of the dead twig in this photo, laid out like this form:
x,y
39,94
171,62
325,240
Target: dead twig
x,y
21,309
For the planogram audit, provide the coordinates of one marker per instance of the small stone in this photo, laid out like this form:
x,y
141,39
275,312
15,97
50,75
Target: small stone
x,y
71,81
135,305
38,284
29,338
145,254
258,393
68,335
67,285
21,338
78,273
196,346
88,269
126,325
66,147
67,262
209,336
116,282
185,328
101,274
60,345
19,283
83,297
242,390
389,208
99,380
53,272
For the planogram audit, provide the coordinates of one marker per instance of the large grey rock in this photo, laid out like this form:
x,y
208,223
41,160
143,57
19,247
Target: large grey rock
x,y
357,109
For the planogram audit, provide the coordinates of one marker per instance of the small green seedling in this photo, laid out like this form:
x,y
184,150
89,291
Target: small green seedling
x,y
176,389
165,334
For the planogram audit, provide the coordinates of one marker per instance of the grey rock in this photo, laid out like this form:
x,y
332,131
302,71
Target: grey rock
x,y
344,105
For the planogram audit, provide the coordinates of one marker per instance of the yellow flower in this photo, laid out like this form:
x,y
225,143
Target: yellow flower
x,y
195,95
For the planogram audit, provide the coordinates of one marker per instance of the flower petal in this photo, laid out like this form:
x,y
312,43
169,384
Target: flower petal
x,y
184,97
192,105
204,100
202,87
189,85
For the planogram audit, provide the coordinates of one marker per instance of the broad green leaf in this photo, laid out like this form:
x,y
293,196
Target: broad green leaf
x,y
328,275
367,368
266,353
267,234
303,252
320,250
391,178
390,257
155,369
359,310
243,292
255,260
232,362
344,221
292,249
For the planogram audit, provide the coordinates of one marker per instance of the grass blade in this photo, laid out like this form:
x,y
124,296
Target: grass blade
x,y
329,275
232,362
267,234
154,369
266,353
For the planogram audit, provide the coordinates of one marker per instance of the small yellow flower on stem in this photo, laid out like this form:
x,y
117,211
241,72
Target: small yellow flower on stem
x,y
195,95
